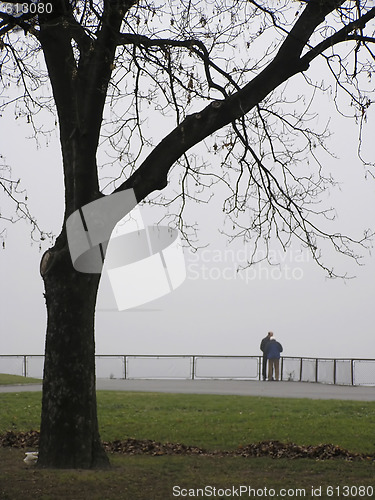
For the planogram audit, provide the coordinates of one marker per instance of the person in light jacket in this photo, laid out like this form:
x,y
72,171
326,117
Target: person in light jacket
x,y
274,348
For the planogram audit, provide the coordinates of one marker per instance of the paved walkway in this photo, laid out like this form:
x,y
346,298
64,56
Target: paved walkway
x,y
237,387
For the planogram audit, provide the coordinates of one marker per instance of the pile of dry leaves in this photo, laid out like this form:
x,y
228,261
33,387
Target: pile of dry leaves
x,y
273,449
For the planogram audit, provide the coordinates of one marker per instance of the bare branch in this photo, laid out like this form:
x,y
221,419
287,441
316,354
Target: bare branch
x,y
340,36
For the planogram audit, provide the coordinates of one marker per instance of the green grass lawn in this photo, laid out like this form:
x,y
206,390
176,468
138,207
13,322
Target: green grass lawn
x,y
225,422
211,421
207,421
6,379
153,478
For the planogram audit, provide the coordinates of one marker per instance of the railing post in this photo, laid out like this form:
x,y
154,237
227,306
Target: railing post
x,y
25,365
352,371
193,368
300,370
124,367
316,369
334,371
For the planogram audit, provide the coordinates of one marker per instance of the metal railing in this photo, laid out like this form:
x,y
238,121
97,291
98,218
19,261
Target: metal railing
x,y
343,371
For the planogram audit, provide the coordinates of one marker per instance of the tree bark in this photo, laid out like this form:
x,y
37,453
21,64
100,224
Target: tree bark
x,y
69,436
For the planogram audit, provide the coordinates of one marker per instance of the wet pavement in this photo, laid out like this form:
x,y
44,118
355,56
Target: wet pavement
x,y
237,387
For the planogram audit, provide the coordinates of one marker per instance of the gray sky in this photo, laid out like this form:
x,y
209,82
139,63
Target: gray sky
x,y
215,311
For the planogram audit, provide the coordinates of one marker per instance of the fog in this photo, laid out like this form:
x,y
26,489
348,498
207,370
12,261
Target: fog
x,y
218,309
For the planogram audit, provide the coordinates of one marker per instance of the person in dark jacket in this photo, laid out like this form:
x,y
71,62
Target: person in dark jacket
x,y
274,348
263,348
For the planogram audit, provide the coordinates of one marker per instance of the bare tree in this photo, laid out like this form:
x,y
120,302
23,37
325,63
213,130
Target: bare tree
x,y
118,71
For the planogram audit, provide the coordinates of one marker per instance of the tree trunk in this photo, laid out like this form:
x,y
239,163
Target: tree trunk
x,y
69,435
